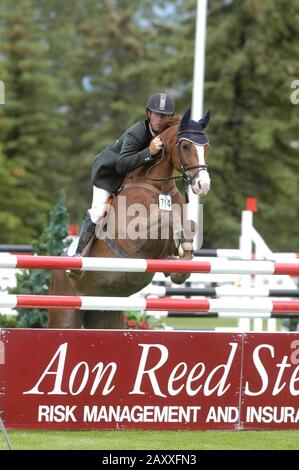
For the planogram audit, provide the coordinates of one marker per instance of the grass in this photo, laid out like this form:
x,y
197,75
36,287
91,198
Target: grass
x,y
210,323
152,440
198,323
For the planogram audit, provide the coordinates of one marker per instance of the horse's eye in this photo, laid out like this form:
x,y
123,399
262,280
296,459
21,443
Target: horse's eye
x,y
185,147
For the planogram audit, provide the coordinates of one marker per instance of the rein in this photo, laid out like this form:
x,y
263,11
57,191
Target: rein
x,y
185,176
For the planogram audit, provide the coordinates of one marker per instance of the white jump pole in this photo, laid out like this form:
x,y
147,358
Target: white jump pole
x,y
194,212
246,253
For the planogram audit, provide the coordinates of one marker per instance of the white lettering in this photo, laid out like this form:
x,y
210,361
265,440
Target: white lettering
x,y
84,379
293,380
56,413
272,414
58,373
191,378
75,386
295,94
228,414
220,385
284,364
173,378
260,368
294,359
150,372
99,376
141,414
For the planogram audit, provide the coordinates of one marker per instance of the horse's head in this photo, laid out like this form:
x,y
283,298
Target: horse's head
x,y
189,157
184,146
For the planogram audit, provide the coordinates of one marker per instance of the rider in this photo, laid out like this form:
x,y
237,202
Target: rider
x,y
136,147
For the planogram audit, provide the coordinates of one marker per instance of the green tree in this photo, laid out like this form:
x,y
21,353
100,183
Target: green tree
x,y
114,62
52,241
78,73
111,63
252,56
32,138
251,59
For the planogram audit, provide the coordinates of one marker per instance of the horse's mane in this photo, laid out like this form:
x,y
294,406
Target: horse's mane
x,y
174,121
169,133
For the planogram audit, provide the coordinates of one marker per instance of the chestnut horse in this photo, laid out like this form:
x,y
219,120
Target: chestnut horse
x,y
184,148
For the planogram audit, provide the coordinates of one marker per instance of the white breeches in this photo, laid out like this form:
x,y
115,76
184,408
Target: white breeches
x,y
99,199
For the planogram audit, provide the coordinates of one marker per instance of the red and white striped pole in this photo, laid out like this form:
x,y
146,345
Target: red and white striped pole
x,y
236,254
129,303
216,266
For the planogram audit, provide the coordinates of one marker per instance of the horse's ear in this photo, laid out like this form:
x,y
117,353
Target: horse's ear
x,y
185,119
205,120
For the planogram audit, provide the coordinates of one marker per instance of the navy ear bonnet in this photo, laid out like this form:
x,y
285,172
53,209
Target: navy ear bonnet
x,y
193,130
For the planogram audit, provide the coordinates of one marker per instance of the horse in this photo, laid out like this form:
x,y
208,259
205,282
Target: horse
x,y
184,150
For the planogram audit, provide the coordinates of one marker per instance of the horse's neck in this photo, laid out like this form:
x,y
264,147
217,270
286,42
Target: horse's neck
x,y
159,170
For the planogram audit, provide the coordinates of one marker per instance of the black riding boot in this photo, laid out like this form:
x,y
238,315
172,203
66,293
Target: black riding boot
x,y
86,234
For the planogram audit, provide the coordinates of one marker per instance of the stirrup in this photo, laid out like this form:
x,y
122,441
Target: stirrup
x,y
74,273
77,273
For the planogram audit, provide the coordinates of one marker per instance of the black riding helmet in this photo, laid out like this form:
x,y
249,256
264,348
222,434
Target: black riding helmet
x,y
160,103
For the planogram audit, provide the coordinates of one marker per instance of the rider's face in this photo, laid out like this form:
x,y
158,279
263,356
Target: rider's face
x,y
158,121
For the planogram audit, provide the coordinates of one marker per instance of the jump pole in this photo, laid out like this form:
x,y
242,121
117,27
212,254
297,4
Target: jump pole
x,y
222,291
262,305
216,266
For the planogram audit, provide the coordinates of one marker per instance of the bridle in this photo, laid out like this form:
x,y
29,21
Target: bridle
x,y
187,178
185,175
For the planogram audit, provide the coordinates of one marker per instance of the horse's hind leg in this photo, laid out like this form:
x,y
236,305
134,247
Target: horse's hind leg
x,y
60,318
104,320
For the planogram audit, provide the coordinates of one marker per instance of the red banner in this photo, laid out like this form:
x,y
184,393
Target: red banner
x,y
72,379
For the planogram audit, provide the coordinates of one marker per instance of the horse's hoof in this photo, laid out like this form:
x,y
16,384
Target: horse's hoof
x,y
74,274
181,251
179,278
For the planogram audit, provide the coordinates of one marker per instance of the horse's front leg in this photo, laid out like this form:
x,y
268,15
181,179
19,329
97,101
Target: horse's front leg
x,y
61,318
180,278
183,241
104,320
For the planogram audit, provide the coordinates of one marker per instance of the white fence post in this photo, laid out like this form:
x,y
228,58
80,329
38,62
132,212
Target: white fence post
x,y
246,253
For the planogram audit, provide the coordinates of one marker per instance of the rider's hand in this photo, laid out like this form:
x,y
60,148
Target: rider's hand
x,y
155,145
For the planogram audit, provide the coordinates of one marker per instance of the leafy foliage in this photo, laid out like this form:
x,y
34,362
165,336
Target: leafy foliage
x,y
8,321
251,60
32,139
52,241
143,321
